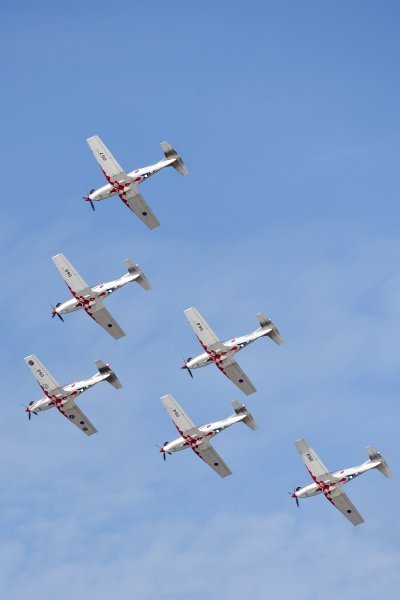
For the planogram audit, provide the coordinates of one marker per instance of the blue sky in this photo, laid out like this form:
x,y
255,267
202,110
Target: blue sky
x,y
287,117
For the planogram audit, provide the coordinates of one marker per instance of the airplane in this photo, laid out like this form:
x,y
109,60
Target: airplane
x,y
221,353
331,484
126,184
91,298
197,438
63,397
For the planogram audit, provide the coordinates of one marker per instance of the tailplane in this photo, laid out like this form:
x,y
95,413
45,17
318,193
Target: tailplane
x,y
171,153
111,376
273,332
135,270
376,456
248,420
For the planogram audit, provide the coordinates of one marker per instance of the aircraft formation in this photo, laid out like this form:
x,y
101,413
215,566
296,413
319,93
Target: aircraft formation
x,y
222,354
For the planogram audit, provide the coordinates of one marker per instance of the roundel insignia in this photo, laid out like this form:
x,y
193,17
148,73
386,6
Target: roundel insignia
x,y
348,510
109,325
71,417
31,363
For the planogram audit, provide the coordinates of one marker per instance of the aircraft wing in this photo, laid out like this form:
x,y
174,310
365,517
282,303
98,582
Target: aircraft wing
x,y
101,315
76,284
182,422
231,369
107,163
342,502
212,458
314,464
135,201
74,414
121,182
46,381
202,330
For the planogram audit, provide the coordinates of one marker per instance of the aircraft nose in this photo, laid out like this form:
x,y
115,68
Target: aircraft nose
x,y
27,409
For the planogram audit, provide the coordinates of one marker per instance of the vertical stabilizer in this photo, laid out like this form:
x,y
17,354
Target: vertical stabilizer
x,y
171,154
248,420
271,329
382,465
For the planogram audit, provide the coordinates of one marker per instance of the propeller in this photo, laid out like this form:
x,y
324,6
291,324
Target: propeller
x,y
54,313
28,410
164,451
186,367
293,495
88,199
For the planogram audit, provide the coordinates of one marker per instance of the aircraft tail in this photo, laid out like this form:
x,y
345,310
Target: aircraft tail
x,y
273,332
375,456
111,376
135,270
248,420
171,153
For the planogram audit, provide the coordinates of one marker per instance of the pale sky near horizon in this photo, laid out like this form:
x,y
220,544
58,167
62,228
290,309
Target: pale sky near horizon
x,y
287,116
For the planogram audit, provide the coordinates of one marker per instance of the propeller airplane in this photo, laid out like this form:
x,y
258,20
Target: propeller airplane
x,y
222,353
331,484
126,184
197,438
63,397
91,298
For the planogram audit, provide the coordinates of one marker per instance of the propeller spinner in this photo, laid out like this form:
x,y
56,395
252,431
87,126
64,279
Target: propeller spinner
x,y
185,366
164,451
88,199
28,410
293,495
54,312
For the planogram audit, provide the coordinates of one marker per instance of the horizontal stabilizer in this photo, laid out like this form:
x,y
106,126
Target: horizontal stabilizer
x,y
111,376
136,271
248,420
383,467
273,332
171,153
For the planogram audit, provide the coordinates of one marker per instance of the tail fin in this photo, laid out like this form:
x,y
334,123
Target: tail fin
x,y
376,456
111,376
171,153
248,420
273,332
135,270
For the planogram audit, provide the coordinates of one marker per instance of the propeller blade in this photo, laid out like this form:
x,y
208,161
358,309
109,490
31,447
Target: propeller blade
x,y
88,199
187,368
293,495
54,313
